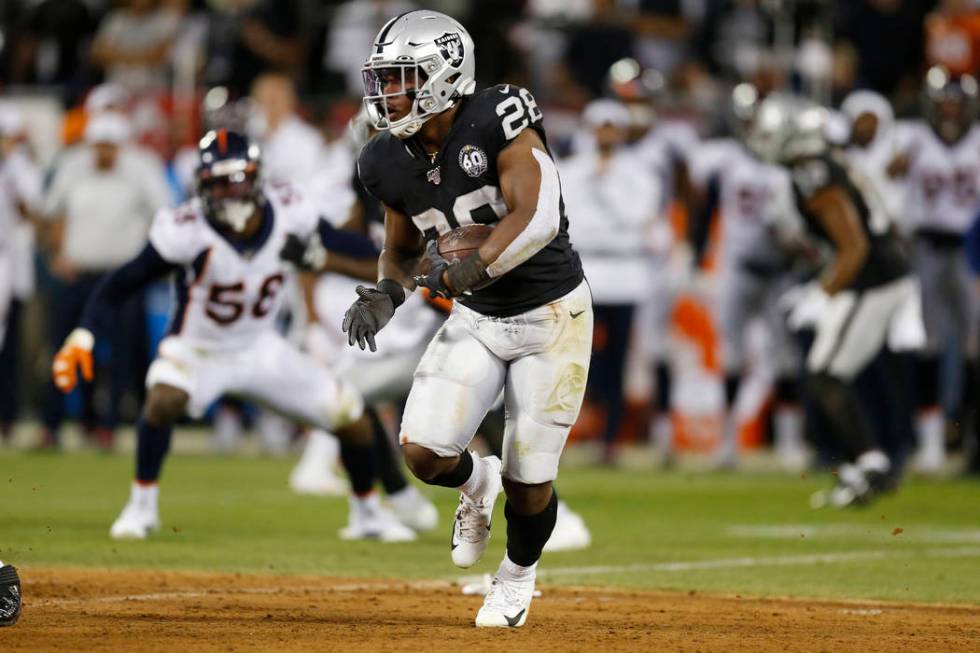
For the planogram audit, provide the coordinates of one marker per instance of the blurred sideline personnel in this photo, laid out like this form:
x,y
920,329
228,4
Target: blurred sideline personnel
x,y
941,164
522,319
754,273
20,198
103,191
224,248
664,149
615,201
857,298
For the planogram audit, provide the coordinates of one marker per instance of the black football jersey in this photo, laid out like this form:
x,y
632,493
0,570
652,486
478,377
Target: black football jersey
x,y
886,260
460,186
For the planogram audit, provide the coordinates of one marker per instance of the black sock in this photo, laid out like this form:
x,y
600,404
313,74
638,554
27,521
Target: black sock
x,y
664,387
840,406
527,534
732,383
152,445
389,465
360,463
457,475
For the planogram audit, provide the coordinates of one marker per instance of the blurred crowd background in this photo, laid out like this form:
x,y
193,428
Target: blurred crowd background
x,y
136,82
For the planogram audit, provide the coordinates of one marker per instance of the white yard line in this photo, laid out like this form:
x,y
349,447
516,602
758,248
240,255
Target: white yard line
x,y
878,531
762,561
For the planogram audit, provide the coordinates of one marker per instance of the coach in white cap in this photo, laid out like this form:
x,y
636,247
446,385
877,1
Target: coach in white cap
x,y
20,192
611,202
100,203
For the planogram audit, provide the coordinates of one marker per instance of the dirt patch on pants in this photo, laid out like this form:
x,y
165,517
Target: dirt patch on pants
x,y
86,609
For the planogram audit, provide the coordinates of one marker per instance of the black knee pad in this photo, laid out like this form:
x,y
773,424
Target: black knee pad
x,y
164,410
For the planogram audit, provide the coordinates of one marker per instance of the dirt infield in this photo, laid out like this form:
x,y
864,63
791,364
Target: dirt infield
x,y
73,609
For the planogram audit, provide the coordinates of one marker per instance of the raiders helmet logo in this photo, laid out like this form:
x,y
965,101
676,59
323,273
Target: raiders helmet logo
x,y
472,160
451,47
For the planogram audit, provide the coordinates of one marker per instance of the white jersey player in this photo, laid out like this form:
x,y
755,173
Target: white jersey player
x,y
753,275
224,249
942,166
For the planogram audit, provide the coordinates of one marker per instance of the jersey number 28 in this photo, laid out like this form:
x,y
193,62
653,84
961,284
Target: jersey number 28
x,y
518,113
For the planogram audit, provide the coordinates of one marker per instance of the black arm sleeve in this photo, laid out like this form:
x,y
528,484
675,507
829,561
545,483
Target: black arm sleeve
x,y
116,286
700,227
348,243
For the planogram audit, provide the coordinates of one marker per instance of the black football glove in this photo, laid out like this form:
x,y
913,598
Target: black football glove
x,y
372,310
434,280
305,255
460,275
10,600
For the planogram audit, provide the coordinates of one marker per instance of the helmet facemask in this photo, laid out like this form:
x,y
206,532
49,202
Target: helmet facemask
x,y
951,104
420,66
428,95
230,192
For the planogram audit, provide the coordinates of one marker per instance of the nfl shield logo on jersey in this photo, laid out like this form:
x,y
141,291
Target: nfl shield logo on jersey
x,y
473,160
451,47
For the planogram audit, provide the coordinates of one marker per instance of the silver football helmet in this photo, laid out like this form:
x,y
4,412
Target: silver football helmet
x,y
424,55
787,127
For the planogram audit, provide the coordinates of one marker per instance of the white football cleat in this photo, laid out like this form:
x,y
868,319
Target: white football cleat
x,y
139,517
413,509
369,520
506,604
315,473
317,481
471,525
570,534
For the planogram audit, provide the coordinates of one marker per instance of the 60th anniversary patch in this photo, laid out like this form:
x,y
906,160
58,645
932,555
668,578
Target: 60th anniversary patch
x,y
473,160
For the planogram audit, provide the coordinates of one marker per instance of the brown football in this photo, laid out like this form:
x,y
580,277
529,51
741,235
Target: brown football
x,y
463,241
460,243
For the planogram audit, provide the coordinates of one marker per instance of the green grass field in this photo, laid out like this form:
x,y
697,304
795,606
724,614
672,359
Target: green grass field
x,y
727,533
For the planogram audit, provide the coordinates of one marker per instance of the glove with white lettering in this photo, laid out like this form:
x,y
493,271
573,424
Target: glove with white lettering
x,y
305,255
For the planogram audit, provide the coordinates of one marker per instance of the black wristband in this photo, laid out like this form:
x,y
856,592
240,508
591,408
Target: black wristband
x,y
468,273
394,290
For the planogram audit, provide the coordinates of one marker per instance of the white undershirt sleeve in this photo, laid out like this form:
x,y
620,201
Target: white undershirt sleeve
x,y
543,226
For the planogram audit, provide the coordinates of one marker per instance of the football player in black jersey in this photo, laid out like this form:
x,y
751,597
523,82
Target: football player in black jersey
x,y
861,290
521,324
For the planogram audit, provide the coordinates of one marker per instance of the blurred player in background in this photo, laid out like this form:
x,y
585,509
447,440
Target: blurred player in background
x,y
20,199
858,295
941,165
224,248
753,274
887,387
522,319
